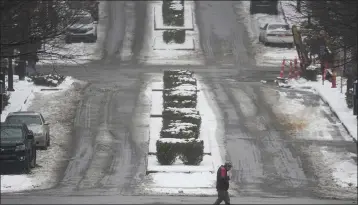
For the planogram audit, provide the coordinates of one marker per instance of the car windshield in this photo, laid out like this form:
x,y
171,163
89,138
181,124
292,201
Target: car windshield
x,y
278,26
83,20
11,134
27,119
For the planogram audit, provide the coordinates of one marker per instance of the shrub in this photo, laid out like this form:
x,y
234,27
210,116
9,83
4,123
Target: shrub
x,y
180,95
168,73
180,130
173,13
180,104
176,36
191,151
189,115
168,36
50,80
167,151
172,81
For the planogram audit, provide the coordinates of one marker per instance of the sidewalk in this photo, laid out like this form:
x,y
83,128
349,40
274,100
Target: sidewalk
x,y
20,98
334,98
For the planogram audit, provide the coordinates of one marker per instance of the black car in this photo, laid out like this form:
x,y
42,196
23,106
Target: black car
x,y
17,146
266,7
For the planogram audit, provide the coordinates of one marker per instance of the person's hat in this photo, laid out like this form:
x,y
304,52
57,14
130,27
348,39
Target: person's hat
x,y
228,164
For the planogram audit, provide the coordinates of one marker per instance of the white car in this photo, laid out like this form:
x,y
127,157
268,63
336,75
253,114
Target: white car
x,y
276,33
35,122
84,28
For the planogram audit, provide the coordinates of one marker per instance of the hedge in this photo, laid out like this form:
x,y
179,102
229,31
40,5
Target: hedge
x,y
176,36
173,13
189,115
51,80
190,151
180,130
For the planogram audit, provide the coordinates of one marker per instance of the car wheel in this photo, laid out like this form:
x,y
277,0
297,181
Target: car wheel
x,y
68,40
266,43
26,166
48,141
33,161
290,45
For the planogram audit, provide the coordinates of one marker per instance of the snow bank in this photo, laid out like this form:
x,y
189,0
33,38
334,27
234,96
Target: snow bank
x,y
334,98
343,167
189,56
13,183
56,107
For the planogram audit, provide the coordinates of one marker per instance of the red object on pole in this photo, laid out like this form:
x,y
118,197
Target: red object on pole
x,y
290,74
334,79
282,69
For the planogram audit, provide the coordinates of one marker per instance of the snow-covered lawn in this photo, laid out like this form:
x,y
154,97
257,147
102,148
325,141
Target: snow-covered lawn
x,y
52,105
334,98
264,55
334,167
155,51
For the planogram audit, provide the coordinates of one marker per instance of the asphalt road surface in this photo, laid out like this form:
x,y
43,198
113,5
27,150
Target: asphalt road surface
x,y
111,128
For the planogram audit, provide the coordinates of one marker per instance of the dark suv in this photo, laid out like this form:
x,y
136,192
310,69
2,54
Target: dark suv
x,y
17,146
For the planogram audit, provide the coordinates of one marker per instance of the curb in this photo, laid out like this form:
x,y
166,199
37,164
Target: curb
x,y
335,114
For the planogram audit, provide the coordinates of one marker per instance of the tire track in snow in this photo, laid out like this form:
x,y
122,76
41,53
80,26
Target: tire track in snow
x,y
102,149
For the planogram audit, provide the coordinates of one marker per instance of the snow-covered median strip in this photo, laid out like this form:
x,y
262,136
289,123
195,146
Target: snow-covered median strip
x,y
205,166
200,177
334,98
159,44
171,55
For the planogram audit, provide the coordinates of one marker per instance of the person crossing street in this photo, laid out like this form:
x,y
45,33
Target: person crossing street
x,y
222,183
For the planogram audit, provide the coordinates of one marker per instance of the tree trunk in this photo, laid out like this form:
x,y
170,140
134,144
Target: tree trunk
x,y
298,6
10,79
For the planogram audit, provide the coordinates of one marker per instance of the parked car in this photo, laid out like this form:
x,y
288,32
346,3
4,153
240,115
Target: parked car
x,y
36,123
17,146
276,33
84,28
266,7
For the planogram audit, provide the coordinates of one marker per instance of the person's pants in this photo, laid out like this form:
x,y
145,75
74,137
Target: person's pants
x,y
223,196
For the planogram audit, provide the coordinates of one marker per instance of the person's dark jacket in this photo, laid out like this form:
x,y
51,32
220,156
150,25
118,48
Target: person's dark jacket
x,y
222,179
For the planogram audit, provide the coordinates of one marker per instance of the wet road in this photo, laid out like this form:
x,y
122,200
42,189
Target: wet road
x,y
111,128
